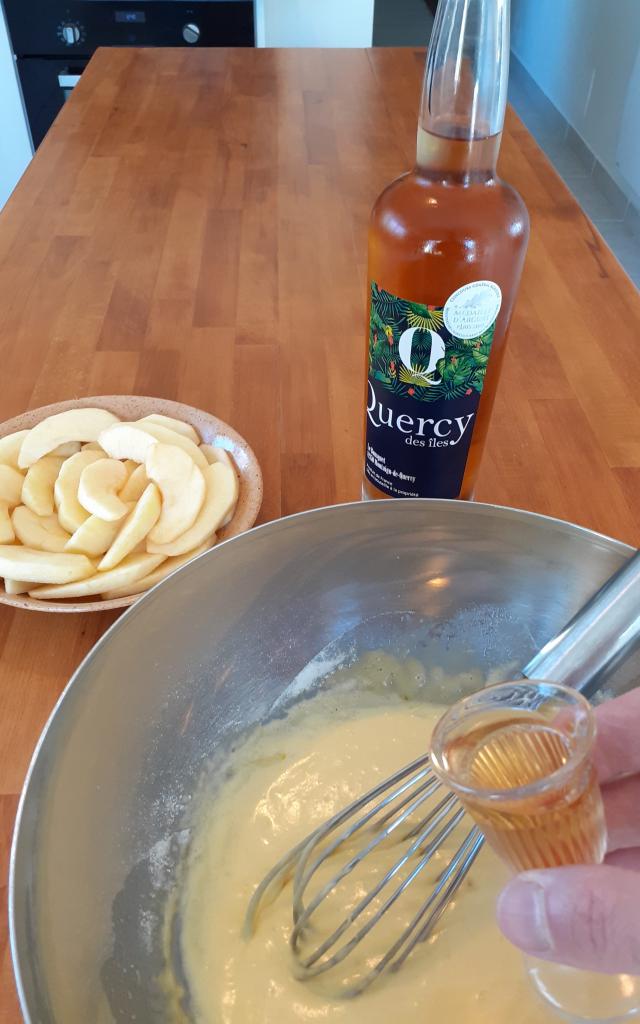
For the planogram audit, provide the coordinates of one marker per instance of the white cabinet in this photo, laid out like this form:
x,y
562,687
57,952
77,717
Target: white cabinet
x,y
15,142
314,22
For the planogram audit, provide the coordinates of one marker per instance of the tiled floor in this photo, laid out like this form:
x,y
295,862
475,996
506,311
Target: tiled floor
x,y
409,23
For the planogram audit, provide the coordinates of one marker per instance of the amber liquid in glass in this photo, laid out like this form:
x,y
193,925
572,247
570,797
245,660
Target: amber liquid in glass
x,y
559,824
449,222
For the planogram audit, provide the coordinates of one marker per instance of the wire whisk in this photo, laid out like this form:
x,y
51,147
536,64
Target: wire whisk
x,y
414,818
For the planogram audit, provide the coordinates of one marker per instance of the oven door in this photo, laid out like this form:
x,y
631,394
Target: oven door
x,y
46,84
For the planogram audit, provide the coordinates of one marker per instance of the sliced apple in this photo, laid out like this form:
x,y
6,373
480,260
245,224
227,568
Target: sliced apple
x,y
135,485
98,489
133,568
94,537
73,425
135,528
10,485
20,563
10,448
43,533
37,488
166,436
7,533
16,586
67,449
126,441
91,446
65,491
134,441
221,496
182,488
172,424
146,582
214,453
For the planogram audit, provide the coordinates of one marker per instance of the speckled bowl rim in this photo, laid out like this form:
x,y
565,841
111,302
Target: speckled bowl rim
x,y
213,431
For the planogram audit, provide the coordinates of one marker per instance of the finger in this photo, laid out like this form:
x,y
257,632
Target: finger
x,y
585,917
617,748
629,859
622,810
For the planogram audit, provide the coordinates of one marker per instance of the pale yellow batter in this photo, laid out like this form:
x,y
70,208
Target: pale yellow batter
x,y
289,777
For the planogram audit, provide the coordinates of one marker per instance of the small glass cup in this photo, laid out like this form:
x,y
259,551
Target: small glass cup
x,y
520,758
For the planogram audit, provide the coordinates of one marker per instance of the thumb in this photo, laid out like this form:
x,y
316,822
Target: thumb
x,y
586,917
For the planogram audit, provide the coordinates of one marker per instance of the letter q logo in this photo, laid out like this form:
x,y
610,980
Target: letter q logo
x,y
405,347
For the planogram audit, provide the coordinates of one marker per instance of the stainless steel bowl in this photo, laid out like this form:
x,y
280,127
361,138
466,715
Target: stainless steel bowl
x,y
206,655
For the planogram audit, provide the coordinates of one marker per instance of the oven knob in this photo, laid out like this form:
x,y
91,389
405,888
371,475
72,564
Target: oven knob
x,y
190,33
71,34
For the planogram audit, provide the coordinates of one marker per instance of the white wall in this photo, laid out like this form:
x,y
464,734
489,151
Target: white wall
x,y
582,54
15,144
314,22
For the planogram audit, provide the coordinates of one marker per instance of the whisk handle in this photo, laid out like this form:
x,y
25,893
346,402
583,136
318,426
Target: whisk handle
x,y
601,635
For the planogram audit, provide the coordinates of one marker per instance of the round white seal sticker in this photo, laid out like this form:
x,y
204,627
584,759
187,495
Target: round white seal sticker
x,y
473,309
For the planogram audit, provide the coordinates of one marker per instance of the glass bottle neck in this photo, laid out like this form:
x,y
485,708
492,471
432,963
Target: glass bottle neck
x,y
445,158
464,96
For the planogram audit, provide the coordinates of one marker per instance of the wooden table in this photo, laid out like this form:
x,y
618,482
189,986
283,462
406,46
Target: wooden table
x,y
194,226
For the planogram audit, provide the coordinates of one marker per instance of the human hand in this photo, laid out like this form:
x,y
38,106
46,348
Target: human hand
x,y
589,917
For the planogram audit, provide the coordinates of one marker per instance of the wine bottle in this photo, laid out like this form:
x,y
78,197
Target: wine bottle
x,y
447,244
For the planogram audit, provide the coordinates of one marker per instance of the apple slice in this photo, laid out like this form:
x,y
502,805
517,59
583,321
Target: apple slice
x,y
99,486
126,441
134,441
133,568
65,490
43,533
182,488
136,527
11,482
16,586
7,533
67,449
146,582
91,446
214,453
20,563
166,436
171,424
73,425
221,496
37,488
10,448
135,485
94,537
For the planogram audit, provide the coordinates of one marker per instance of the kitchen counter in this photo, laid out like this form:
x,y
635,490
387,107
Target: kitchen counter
x,y
194,227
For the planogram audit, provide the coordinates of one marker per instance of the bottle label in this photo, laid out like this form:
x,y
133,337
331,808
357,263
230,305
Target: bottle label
x,y
427,366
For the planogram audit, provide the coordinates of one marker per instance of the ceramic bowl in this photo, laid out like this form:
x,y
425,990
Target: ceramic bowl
x,y
133,407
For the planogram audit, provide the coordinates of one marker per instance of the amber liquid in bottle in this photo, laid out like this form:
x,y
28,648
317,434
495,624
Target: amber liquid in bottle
x,y
448,223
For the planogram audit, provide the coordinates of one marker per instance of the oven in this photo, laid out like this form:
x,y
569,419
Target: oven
x,y
53,41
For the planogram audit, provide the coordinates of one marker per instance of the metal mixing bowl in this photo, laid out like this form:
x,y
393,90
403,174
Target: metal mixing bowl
x,y
206,655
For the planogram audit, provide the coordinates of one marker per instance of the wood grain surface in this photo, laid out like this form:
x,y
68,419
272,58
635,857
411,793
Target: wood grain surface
x,y
194,227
